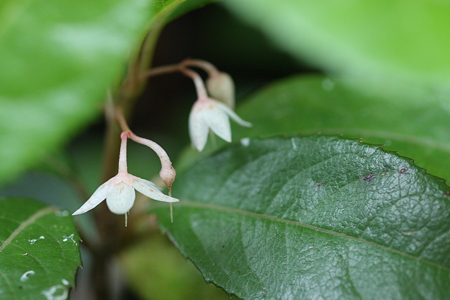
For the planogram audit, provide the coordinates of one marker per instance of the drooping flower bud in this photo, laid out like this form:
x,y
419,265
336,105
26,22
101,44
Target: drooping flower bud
x,y
167,172
168,175
220,86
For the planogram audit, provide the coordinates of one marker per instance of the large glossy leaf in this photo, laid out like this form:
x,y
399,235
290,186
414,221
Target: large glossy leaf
x,y
39,252
314,218
386,40
311,104
58,59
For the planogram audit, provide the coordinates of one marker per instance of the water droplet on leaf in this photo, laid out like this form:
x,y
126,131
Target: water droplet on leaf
x,y
26,275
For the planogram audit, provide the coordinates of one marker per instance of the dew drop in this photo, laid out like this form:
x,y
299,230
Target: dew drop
x,y
294,145
26,275
63,213
70,237
56,292
327,84
32,241
245,142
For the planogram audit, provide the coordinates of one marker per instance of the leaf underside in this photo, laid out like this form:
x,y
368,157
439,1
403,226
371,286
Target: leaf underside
x,y
314,218
39,252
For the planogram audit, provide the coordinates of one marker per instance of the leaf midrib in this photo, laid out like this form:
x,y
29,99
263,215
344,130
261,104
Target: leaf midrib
x,y
189,203
25,223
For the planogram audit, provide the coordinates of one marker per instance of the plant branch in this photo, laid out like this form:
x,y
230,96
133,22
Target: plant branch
x,y
203,64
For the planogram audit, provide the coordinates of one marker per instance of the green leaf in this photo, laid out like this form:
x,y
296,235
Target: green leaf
x,y
58,60
386,40
314,218
418,129
38,250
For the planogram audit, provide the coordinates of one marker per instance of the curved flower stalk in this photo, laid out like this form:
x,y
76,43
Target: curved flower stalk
x,y
219,84
208,113
167,172
119,190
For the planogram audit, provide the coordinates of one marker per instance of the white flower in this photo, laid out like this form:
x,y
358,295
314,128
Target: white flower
x,y
211,114
119,190
119,193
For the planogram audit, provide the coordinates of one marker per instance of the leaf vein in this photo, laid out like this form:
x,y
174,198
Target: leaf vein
x,y
188,203
247,259
12,290
25,223
306,169
207,253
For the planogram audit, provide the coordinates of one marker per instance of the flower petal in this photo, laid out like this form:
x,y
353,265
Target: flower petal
x,y
234,116
198,129
150,190
149,183
218,120
120,198
96,198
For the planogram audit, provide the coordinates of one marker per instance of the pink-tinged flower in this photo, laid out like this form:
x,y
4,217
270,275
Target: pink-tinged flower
x,y
211,114
119,193
119,190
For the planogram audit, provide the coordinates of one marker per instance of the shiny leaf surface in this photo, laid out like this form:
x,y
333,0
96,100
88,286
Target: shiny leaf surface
x,y
314,217
38,250
311,104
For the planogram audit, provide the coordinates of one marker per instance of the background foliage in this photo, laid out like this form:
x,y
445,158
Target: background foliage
x,y
385,79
